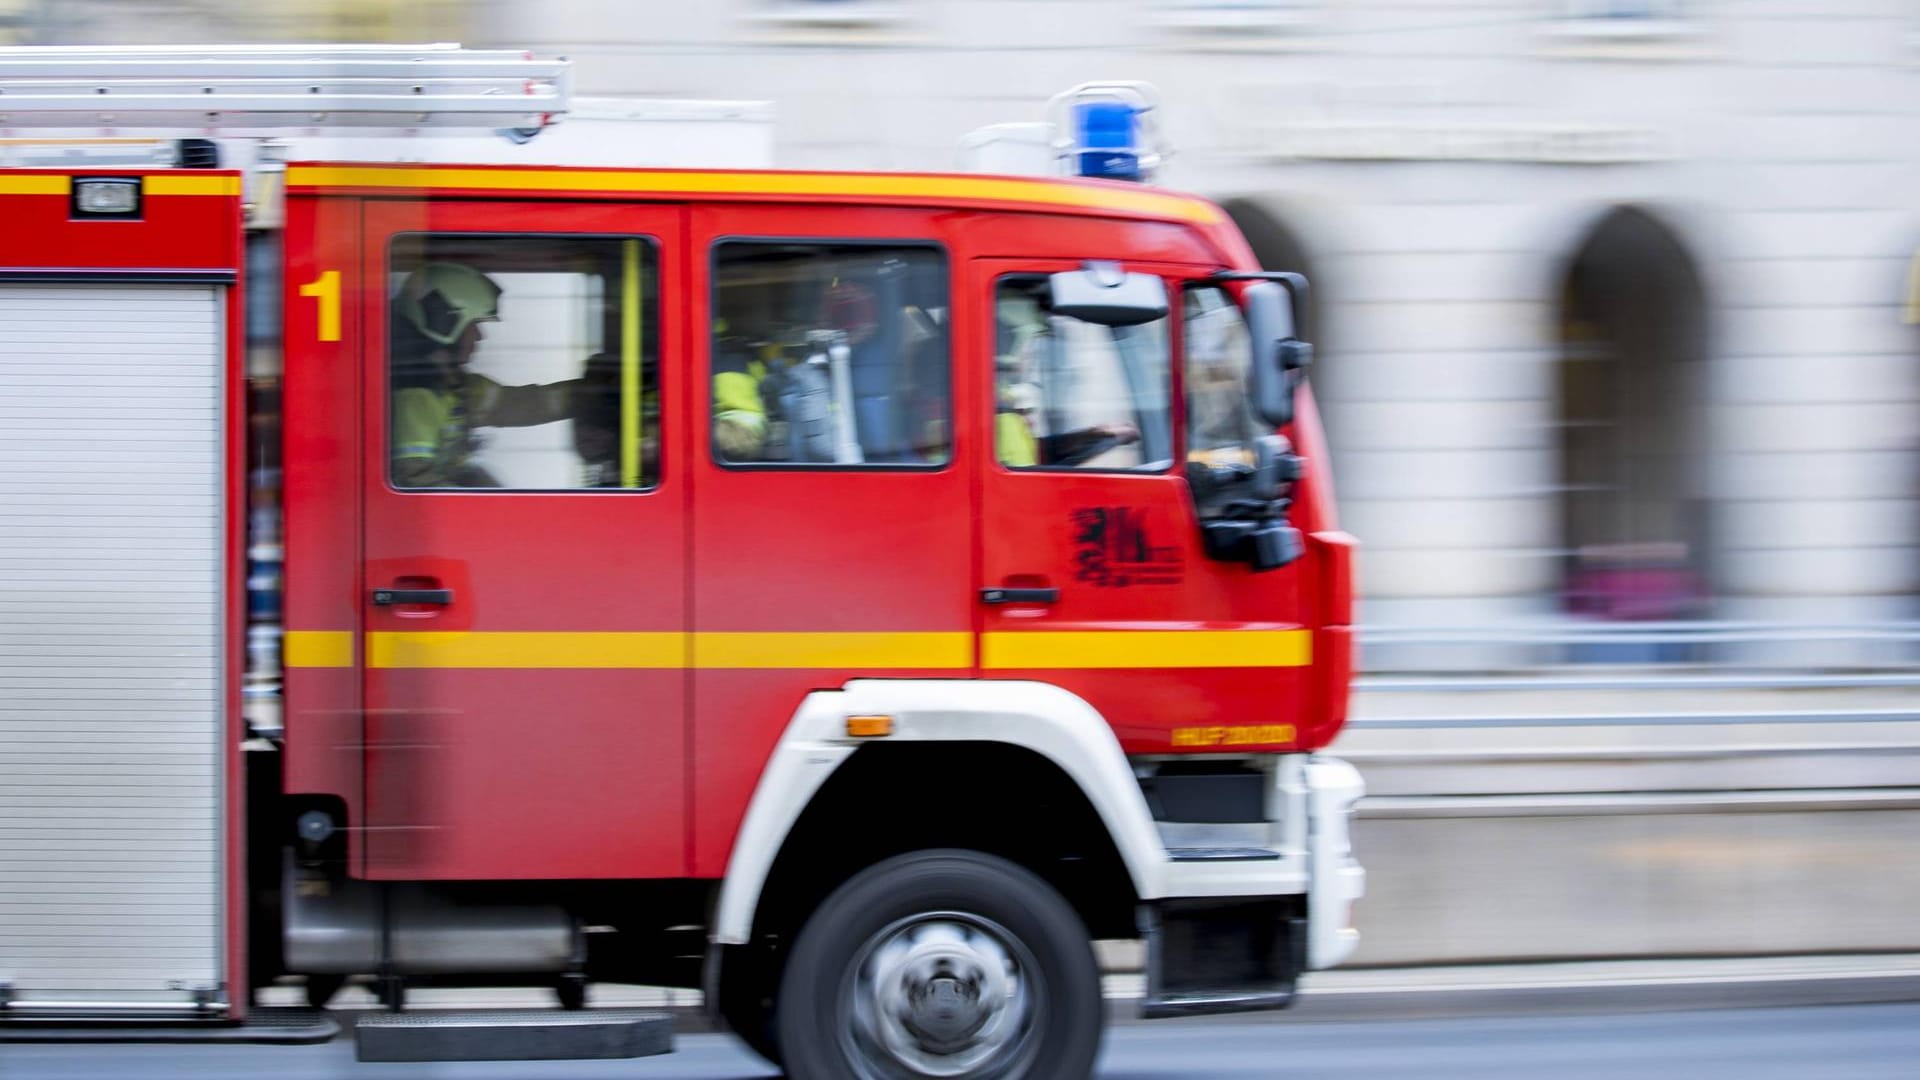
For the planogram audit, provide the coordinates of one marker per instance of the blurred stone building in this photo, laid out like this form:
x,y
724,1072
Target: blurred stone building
x,y
1613,296
202,22
1611,292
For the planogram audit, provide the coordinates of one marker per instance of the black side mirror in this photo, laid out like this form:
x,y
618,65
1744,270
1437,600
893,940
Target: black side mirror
x,y
1278,354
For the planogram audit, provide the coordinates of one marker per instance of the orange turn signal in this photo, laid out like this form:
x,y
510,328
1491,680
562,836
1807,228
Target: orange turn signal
x,y
865,727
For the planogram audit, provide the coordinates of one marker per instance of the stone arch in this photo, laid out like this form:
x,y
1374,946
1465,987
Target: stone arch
x,y
1272,228
1630,386
1279,246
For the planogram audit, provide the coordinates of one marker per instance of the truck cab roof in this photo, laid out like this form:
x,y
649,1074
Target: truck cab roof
x,y
959,191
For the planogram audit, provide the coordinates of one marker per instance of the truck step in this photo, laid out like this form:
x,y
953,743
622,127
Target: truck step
x,y
513,1035
1221,854
279,1026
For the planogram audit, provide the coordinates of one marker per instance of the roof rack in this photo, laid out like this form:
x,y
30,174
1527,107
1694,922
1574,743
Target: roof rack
x,y
233,89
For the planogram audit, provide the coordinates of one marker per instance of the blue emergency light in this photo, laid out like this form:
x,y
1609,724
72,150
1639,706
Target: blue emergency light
x,y
1107,130
1107,135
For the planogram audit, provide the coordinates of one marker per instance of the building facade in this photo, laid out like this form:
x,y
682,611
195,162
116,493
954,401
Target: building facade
x,y
1611,294
1614,298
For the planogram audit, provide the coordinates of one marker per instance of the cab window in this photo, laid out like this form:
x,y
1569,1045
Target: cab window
x,y
1076,395
830,355
525,363
1218,351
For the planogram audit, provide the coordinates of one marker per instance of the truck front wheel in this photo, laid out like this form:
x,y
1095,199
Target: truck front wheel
x,y
942,963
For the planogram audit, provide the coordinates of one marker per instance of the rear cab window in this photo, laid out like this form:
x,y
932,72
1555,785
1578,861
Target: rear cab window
x,y
831,355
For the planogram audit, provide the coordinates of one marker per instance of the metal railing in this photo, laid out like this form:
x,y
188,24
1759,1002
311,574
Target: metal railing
x,y
1574,654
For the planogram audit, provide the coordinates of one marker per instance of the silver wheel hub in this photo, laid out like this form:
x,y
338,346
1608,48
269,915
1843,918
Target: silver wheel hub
x,y
942,995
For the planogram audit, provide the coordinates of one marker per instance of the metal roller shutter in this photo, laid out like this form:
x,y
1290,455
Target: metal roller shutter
x,y
110,641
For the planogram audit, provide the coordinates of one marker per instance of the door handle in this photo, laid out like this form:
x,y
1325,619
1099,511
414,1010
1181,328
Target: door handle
x,y
388,597
1019,596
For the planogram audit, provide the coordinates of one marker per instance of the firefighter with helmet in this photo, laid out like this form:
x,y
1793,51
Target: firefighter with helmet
x,y
437,402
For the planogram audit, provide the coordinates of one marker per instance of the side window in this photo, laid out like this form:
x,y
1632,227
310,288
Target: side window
x,y
1077,395
528,363
1221,426
831,355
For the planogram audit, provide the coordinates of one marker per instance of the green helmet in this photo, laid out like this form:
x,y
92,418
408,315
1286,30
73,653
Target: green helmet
x,y
442,299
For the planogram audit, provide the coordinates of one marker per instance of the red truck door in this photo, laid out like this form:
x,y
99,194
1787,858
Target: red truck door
x,y
1093,573
523,592
831,535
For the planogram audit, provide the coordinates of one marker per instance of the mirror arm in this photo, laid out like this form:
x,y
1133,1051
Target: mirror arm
x,y
1295,284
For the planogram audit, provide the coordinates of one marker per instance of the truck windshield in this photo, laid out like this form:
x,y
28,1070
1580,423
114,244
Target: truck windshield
x,y
1221,425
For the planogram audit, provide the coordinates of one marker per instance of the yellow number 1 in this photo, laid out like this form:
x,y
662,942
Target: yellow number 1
x,y
327,291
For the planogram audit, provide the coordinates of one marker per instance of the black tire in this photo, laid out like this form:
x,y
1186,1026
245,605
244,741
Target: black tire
x,y
749,980
945,896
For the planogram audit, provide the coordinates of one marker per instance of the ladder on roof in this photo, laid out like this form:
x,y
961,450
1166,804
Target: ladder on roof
x,y
239,89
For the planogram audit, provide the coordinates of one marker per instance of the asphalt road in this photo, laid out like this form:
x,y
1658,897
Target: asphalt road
x,y
1852,1042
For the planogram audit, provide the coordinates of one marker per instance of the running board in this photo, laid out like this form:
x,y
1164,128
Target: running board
x,y
1221,854
286,1027
513,1035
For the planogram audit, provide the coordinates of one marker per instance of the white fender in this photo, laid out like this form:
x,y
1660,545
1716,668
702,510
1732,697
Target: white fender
x,y
1052,722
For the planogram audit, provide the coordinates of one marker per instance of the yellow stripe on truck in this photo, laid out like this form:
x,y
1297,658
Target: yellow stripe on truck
x,y
151,184
35,185
1031,649
497,649
877,187
943,651
877,651
457,649
317,648
190,184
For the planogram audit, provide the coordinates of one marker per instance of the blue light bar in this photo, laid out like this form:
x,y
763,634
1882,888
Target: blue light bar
x,y
1109,130
1107,133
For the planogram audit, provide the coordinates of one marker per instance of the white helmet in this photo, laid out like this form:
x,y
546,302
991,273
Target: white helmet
x,y
442,299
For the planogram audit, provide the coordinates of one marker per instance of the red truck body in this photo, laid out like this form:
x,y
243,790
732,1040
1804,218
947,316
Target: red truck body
x,y
523,719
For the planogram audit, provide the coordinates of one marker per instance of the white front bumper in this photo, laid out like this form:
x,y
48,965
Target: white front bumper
x,y
1309,829
1336,880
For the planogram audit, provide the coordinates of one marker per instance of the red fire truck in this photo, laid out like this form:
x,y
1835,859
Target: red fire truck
x,y
853,595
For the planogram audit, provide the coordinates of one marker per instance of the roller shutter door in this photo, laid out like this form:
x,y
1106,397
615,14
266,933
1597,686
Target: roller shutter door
x,y
110,642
